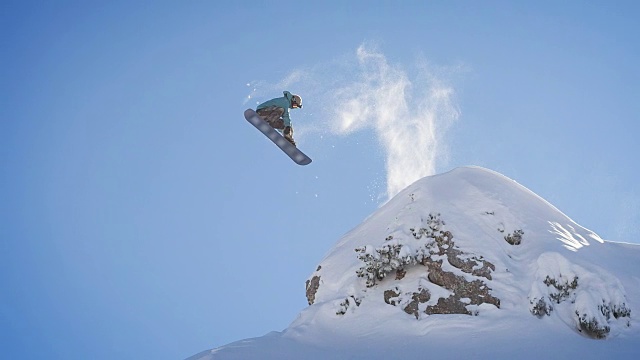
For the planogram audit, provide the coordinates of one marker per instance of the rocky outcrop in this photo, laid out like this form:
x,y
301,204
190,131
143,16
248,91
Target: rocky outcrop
x,y
424,255
474,292
312,288
464,292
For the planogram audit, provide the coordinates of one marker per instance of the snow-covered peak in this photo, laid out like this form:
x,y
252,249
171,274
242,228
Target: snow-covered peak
x,y
467,258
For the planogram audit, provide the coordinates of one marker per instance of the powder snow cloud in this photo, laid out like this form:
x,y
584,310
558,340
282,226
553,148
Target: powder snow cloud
x,y
408,109
410,115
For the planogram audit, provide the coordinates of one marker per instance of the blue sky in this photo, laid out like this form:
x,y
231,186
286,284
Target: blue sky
x,y
143,217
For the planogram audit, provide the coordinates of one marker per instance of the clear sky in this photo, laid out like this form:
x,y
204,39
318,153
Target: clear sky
x,y
143,217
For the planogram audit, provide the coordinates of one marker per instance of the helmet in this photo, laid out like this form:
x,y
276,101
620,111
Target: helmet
x,y
296,100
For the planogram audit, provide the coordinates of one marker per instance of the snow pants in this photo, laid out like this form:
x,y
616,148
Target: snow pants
x,y
273,116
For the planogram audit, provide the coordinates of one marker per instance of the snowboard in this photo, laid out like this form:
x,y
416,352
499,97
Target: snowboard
x,y
293,152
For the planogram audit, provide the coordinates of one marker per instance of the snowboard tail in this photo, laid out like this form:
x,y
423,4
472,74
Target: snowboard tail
x,y
293,152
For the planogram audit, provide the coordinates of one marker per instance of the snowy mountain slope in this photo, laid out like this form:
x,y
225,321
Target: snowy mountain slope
x,y
464,263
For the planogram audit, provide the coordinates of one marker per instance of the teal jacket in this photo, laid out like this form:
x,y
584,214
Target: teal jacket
x,y
281,102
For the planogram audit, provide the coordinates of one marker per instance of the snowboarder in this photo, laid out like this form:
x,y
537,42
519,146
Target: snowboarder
x,y
276,113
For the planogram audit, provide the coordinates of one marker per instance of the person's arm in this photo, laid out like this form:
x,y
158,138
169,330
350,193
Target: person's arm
x,y
286,117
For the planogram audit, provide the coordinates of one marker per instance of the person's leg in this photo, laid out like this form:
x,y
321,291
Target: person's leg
x,y
288,134
272,115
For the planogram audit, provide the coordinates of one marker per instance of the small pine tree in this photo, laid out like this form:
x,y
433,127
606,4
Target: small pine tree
x,y
515,238
384,260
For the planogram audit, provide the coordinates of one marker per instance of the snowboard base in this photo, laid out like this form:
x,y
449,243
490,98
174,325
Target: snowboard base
x,y
293,152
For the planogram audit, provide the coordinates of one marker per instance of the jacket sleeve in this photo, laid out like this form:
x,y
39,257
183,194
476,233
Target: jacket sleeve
x,y
286,118
287,100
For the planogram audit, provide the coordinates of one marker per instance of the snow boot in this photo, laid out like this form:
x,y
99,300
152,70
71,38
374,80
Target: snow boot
x,y
288,134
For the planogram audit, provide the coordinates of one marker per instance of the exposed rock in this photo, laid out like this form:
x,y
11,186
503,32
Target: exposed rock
x,y
417,298
476,291
450,305
393,297
439,246
389,295
312,288
432,256
469,266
